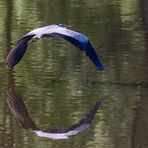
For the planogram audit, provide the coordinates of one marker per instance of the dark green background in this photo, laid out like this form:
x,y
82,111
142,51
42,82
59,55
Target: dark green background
x,y
59,84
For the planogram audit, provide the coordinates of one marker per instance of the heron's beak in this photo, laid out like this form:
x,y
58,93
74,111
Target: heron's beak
x,y
69,26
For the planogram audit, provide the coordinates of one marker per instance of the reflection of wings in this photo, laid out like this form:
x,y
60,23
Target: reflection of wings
x,y
65,133
84,123
19,110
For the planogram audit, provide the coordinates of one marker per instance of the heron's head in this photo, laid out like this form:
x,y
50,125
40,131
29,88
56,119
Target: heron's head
x,y
62,25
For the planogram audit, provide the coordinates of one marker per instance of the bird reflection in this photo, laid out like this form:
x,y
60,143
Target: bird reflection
x,y
19,110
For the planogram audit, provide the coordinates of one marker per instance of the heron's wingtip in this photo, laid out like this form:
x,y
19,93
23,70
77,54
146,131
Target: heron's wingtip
x,y
9,68
100,101
100,67
9,63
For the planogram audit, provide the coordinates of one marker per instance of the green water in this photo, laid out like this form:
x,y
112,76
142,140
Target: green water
x,y
59,84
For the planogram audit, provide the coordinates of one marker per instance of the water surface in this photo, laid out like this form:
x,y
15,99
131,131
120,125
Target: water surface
x,y
59,84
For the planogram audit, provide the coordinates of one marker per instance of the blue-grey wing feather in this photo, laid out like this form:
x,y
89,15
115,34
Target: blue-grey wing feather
x,y
80,41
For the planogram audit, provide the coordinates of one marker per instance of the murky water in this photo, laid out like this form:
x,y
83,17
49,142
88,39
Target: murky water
x,y
59,85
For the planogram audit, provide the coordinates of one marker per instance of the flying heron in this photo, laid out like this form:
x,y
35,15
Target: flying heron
x,y
59,31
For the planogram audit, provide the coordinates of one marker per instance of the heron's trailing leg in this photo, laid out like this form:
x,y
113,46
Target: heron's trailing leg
x,y
33,39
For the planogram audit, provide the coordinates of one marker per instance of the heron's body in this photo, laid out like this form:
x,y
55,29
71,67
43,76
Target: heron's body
x,y
39,32
54,30
59,31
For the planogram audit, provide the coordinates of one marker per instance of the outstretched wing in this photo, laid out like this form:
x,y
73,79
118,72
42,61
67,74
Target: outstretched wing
x,y
16,53
77,39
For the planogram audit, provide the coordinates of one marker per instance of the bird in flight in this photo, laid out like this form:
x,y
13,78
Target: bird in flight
x,y
58,31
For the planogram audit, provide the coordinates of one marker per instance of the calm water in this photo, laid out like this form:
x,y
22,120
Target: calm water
x,y
59,85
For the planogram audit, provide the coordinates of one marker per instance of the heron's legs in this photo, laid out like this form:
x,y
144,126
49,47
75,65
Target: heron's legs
x,y
33,39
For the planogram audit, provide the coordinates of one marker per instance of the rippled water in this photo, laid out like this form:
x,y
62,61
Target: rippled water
x,y
59,84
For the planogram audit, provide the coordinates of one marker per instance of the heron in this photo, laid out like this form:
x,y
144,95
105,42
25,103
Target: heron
x,y
58,31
